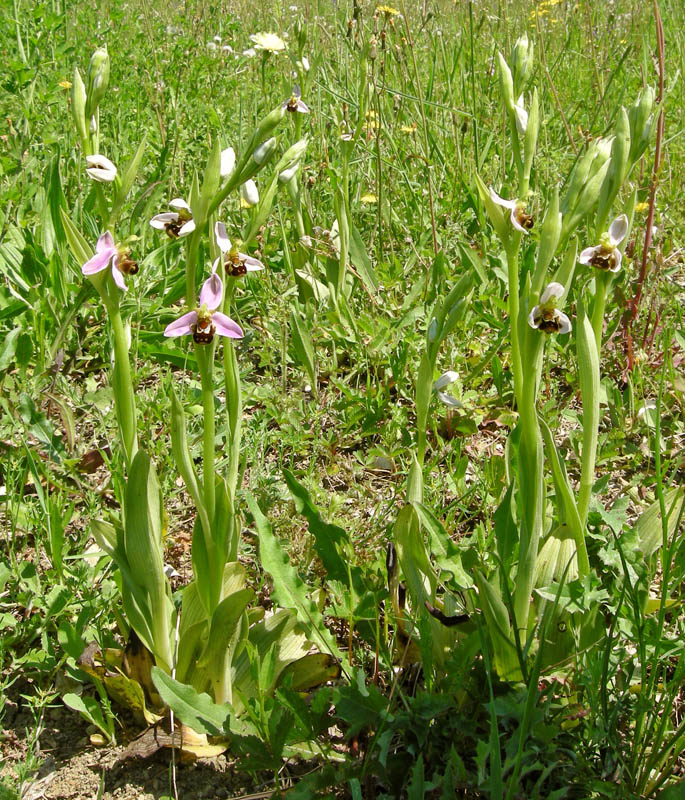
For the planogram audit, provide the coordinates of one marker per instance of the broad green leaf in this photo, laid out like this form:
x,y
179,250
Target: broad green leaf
x,y
499,630
649,526
197,710
289,590
304,349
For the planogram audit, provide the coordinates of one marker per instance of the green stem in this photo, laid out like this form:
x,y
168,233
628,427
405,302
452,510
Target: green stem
x,y
124,399
513,280
205,361
192,247
234,401
602,284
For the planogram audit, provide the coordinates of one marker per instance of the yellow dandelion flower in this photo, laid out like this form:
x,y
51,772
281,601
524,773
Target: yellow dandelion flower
x,y
65,84
642,207
408,128
389,11
369,198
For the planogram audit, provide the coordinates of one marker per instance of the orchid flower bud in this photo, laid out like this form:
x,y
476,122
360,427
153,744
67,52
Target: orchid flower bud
x,y
618,167
227,164
78,105
521,63
292,155
264,152
641,119
249,194
97,79
506,84
268,124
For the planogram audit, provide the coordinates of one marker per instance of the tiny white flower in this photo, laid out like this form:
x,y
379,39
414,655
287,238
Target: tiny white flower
x,y
250,52
227,48
217,39
519,218
305,64
211,45
249,194
100,168
545,316
606,255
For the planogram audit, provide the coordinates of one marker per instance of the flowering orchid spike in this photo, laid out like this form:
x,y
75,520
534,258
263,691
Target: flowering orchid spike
x,y
205,322
107,254
294,103
100,168
606,255
235,263
519,218
176,223
546,317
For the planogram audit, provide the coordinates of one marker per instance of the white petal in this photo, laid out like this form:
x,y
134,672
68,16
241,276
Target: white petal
x,y
515,221
227,162
100,162
618,230
250,193
587,255
445,380
501,201
448,400
564,321
531,317
187,227
222,237
553,289
102,175
179,203
619,258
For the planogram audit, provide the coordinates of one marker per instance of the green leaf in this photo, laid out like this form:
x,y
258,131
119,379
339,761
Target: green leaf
x,y
78,245
8,349
649,527
127,179
194,709
361,261
304,349
289,589
506,532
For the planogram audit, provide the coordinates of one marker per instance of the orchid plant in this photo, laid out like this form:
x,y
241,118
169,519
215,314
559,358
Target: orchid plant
x,y
203,643
550,526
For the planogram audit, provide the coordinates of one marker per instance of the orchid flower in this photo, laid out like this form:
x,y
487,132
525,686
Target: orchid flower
x,y
606,255
519,219
447,379
235,263
100,168
107,254
294,103
205,321
176,223
546,317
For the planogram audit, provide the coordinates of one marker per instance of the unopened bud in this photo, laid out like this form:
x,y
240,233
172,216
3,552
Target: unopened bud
x,y
292,155
264,152
249,193
97,79
78,105
640,118
506,83
521,63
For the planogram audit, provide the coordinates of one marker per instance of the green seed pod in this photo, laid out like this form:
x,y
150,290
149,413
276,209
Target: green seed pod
x,y
506,83
78,106
522,64
97,79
